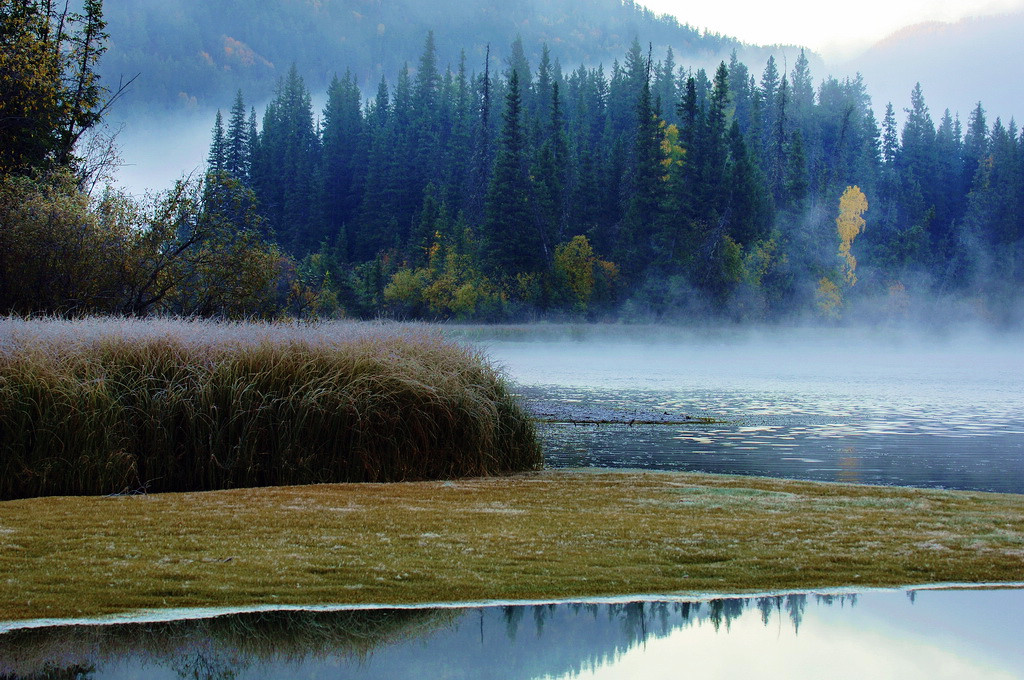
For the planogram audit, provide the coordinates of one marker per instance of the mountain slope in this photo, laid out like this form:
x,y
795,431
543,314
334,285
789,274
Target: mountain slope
x,y
194,53
958,65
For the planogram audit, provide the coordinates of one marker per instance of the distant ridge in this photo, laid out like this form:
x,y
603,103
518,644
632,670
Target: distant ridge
x,y
195,53
957,64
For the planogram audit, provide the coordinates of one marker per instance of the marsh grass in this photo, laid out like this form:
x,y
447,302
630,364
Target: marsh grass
x,y
116,406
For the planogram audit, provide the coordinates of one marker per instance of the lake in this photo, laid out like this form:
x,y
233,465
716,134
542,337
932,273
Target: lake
x,y
832,405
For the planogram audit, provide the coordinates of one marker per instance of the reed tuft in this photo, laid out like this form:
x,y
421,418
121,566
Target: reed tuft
x,y
103,406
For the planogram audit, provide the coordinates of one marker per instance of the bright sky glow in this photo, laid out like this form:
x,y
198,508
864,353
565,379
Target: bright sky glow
x,y
832,28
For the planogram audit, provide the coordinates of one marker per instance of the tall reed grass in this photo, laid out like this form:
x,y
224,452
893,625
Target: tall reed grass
x,y
104,406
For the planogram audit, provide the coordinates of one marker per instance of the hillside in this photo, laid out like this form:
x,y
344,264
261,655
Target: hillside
x,y
195,54
958,65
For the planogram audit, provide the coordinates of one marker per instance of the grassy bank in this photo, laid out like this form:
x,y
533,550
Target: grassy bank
x,y
113,406
529,536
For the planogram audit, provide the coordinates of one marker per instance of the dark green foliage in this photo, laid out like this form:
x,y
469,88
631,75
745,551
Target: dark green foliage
x,y
237,152
284,168
345,142
513,242
646,187
723,185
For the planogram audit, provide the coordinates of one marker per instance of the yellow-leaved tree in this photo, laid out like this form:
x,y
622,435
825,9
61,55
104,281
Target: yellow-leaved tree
x,y
852,204
829,295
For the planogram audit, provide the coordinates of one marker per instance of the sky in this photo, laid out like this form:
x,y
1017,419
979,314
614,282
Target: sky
x,y
836,30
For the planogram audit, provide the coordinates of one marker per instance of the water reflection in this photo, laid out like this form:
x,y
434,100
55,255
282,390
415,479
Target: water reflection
x,y
877,634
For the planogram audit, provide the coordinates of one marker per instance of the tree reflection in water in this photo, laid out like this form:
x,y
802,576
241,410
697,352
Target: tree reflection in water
x,y
565,638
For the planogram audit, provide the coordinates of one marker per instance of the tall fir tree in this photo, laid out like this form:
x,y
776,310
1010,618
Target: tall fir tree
x,y
343,160
646,188
237,160
512,242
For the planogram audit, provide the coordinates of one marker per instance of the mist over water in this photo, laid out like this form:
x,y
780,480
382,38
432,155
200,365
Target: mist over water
x,y
834,404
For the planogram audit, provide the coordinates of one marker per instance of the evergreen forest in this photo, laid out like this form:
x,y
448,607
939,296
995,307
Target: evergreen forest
x,y
496,189
646,190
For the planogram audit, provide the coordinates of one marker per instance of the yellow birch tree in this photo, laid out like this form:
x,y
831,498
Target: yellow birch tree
x,y
852,205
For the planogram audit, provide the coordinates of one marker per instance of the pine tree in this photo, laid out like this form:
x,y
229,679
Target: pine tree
x,y
425,121
549,177
768,96
343,159
373,232
916,164
749,204
542,90
646,187
237,152
483,155
890,140
740,93
665,92
712,190
975,145
511,241
285,170
796,183
216,160
520,65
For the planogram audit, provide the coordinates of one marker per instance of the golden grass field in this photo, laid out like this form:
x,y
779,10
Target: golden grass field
x,y
543,535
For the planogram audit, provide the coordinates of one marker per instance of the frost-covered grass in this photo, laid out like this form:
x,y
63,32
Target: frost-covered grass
x,y
101,406
544,535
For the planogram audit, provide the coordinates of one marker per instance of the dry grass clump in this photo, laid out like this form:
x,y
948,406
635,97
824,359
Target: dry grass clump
x,y
112,406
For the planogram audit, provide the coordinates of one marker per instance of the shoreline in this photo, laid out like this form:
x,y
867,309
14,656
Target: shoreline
x,y
554,535
199,614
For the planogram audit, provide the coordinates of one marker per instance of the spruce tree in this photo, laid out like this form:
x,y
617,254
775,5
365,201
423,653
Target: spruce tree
x,y
216,160
511,241
645,187
285,169
237,152
343,160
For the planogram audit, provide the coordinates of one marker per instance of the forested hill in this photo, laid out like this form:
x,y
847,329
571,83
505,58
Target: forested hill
x,y
636,191
198,53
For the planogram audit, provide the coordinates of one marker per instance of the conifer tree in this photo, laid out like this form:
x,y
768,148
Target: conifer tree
x,y
285,170
511,241
343,159
216,160
372,235
237,151
645,186
549,176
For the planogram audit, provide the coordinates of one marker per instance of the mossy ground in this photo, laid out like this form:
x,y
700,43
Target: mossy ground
x,y
552,534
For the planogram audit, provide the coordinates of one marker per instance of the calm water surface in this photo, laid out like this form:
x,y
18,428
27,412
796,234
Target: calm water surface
x,y
905,635
833,406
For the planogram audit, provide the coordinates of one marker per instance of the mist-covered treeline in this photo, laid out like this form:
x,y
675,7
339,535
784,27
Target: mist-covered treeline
x,y
643,189
197,53
504,189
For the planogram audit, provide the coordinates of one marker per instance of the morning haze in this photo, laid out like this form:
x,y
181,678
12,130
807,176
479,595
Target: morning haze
x,y
526,339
